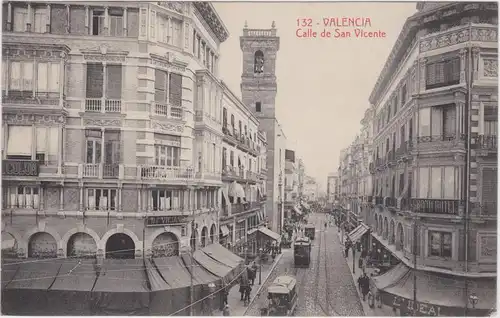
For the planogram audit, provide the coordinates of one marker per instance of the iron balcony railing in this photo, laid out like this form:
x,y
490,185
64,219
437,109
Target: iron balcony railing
x,y
441,138
488,142
20,168
438,206
391,202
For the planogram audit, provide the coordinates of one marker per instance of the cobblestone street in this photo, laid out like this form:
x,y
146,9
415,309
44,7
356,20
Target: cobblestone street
x,y
326,288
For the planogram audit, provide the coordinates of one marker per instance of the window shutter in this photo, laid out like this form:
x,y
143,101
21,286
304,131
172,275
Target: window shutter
x,y
27,76
41,139
20,16
94,80
152,23
455,70
114,82
436,181
489,185
160,85
449,121
40,20
143,21
54,79
16,134
42,77
431,74
175,88
53,135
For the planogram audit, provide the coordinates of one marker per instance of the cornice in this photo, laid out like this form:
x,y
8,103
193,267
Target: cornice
x,y
210,16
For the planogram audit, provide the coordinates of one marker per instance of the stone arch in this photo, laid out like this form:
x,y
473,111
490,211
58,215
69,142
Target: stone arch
x,y
41,227
121,246
101,247
258,62
66,237
16,235
213,233
400,237
12,250
392,233
47,247
165,244
204,236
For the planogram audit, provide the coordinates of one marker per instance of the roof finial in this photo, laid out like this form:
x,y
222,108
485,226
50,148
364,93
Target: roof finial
x,y
273,25
246,24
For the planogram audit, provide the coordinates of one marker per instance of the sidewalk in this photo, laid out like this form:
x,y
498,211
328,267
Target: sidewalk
x,y
236,306
372,312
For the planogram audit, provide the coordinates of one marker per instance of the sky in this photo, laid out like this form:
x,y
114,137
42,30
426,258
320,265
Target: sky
x,y
323,83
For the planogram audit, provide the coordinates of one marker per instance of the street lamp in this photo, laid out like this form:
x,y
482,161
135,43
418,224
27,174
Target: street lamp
x,y
473,300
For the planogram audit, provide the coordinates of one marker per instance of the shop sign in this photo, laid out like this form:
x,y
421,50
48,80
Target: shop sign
x,y
19,168
166,220
408,305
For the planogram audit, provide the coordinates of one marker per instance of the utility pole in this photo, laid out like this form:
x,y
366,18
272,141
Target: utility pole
x,y
415,248
193,247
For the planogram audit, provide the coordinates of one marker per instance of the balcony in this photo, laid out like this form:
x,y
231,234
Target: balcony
x,y
253,176
91,170
436,206
26,98
391,202
169,111
486,142
237,208
379,200
439,142
230,134
164,173
103,105
20,168
110,170
402,153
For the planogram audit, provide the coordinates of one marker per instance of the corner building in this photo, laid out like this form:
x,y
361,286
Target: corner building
x,y
434,163
258,91
112,126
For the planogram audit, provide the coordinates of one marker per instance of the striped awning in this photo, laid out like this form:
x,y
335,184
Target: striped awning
x,y
358,232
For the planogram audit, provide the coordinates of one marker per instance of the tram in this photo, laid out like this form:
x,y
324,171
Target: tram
x,y
302,252
283,297
310,231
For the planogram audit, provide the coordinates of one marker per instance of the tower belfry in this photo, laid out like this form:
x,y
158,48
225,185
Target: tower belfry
x,y
258,92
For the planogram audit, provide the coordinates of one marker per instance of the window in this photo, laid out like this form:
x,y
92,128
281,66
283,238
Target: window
x,y
40,20
115,16
194,42
26,197
168,88
21,139
168,156
491,128
231,159
224,117
101,199
258,107
240,130
258,62
176,26
443,73
47,78
97,22
233,127
438,183
21,77
94,146
449,120
112,147
224,159
164,200
403,95
20,19
439,244
424,122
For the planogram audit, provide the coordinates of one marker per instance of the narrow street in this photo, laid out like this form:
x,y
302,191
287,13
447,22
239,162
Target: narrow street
x,y
325,288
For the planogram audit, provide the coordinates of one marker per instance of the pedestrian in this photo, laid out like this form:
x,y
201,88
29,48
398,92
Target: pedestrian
x,y
362,258
225,311
246,298
365,285
251,274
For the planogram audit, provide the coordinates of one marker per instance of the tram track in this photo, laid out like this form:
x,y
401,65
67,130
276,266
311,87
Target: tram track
x,y
318,269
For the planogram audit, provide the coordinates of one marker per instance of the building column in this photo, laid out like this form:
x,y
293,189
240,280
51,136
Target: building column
x,y
61,80
125,29
106,21
101,163
422,74
9,16
139,195
463,61
87,19
41,205
481,118
82,193
104,87
60,143
47,25
120,188
29,23
475,62
33,144
61,198
68,19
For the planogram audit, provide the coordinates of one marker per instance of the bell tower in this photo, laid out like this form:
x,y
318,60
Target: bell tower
x,y
258,80
258,92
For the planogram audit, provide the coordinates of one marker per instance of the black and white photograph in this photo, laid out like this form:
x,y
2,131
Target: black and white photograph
x,y
249,158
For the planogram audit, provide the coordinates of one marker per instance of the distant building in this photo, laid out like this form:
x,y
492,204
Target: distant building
x,y
311,189
291,182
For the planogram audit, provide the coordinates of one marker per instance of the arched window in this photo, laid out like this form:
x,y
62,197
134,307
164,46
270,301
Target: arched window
x,y
259,62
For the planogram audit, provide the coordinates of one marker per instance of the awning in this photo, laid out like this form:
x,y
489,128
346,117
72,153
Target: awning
x,y
297,210
267,232
225,196
358,232
222,255
236,190
224,230
437,294
305,205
